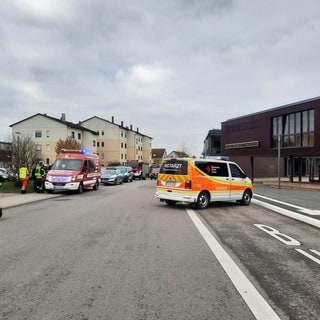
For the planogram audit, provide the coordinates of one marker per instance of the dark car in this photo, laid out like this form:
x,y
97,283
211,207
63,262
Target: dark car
x,y
4,175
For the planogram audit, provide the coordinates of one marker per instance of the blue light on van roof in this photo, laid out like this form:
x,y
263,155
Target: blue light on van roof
x,y
85,151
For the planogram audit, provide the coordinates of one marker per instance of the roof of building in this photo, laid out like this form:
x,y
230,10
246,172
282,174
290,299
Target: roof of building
x,y
178,154
276,108
61,120
116,124
158,152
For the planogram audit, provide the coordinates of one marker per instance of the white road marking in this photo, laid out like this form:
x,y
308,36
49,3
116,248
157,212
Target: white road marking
x,y
288,213
289,241
310,256
256,303
314,212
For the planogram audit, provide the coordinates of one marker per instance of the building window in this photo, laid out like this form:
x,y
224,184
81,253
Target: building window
x,y
94,143
102,144
48,147
294,129
79,136
38,133
47,133
102,132
98,144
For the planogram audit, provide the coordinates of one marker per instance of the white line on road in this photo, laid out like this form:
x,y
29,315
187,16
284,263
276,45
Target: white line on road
x,y
288,213
314,212
308,255
256,303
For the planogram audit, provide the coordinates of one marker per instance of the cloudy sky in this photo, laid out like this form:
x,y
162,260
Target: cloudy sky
x,y
173,68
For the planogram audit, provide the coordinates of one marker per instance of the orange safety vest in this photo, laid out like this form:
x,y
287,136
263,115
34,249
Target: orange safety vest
x,y
23,173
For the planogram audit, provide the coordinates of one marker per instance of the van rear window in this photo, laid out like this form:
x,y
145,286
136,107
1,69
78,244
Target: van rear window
x,y
174,166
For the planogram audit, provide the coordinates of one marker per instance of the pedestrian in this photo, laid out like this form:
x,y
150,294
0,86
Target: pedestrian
x,y
24,178
39,175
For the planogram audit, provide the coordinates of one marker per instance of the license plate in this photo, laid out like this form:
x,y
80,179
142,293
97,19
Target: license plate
x,y
170,183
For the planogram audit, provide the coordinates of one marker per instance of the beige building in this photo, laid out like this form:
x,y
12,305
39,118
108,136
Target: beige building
x,y
46,132
116,142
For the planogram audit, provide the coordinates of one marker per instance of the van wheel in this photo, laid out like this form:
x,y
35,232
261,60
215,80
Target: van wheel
x,y
170,202
96,185
203,200
80,188
246,198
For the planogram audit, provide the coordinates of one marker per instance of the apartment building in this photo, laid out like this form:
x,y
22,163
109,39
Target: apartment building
x,y
111,141
46,132
117,142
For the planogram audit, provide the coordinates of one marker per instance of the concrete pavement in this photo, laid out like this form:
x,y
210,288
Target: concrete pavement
x,y
16,199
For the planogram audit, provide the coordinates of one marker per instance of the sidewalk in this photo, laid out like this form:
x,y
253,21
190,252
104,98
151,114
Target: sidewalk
x,y
16,199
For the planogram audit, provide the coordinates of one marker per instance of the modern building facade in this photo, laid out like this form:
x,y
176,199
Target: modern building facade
x,y
212,143
282,141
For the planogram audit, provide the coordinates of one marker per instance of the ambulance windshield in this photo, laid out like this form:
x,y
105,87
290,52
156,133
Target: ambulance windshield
x,y
174,166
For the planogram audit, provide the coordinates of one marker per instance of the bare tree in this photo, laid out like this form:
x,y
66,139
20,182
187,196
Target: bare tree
x,y
69,143
24,152
184,148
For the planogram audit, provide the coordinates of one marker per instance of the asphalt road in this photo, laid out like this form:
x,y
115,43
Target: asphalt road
x,y
118,253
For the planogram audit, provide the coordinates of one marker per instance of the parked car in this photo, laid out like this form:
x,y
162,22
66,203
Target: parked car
x,y
127,174
111,176
154,173
4,175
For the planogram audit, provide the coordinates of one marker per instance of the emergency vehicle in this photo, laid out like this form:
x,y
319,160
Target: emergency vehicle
x,y
74,170
201,181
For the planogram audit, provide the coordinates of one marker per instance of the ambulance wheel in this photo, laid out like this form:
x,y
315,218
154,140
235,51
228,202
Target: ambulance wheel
x,y
80,188
246,198
203,200
170,202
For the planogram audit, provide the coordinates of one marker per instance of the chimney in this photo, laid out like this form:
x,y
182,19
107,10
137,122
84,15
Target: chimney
x,y
112,119
137,129
63,117
121,123
130,126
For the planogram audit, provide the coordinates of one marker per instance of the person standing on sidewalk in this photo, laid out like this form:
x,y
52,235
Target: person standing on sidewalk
x,y
39,175
24,178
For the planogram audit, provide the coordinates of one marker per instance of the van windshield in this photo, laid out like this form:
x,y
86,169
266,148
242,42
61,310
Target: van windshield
x,y
67,164
174,166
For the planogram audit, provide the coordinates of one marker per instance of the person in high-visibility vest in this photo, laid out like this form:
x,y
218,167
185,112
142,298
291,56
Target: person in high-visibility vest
x,y
24,177
39,175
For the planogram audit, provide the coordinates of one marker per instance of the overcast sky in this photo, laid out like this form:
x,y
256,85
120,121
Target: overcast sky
x,y
173,68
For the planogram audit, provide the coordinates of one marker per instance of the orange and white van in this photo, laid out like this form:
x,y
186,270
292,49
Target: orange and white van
x,y
201,181
74,170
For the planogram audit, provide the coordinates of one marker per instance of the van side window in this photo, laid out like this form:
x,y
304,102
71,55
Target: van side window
x,y
236,172
216,169
85,166
91,166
